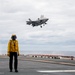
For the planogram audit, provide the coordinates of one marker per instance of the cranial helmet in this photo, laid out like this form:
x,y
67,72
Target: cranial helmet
x,y
13,37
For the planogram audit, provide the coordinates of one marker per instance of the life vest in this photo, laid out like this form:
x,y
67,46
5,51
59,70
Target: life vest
x,y
13,46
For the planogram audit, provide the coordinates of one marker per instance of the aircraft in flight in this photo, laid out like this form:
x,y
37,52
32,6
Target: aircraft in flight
x,y
41,21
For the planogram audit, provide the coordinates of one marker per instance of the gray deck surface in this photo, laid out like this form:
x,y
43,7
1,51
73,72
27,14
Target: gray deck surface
x,y
29,66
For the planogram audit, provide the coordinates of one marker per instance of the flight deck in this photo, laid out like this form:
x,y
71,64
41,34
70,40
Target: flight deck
x,y
38,66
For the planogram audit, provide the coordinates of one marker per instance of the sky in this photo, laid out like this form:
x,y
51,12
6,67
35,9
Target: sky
x,y
56,37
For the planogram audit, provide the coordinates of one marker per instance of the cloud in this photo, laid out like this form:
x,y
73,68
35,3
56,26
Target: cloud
x,y
60,29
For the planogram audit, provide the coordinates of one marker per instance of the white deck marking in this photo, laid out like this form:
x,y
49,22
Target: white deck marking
x,y
49,71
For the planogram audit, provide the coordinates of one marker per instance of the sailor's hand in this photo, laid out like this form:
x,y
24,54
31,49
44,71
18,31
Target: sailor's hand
x,y
18,54
8,54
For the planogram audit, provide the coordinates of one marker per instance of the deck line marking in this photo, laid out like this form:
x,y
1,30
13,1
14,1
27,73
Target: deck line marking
x,y
50,71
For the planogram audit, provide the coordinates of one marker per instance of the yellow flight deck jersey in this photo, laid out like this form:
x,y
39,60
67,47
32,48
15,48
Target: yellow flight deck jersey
x,y
13,46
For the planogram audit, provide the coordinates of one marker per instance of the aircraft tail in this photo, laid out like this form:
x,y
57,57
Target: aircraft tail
x,y
29,22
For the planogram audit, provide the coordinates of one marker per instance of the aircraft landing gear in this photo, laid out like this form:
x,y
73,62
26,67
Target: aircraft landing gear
x,y
45,23
33,25
41,26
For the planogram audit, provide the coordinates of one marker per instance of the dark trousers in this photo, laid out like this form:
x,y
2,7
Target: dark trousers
x,y
13,54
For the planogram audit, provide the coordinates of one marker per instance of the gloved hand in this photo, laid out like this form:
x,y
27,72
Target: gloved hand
x,y
8,55
18,54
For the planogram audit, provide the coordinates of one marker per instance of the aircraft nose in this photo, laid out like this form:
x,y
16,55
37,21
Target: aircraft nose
x,y
47,19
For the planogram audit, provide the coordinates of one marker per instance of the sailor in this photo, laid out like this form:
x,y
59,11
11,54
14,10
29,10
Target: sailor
x,y
13,51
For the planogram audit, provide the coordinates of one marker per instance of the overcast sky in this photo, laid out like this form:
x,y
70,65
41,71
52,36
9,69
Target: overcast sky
x,y
57,36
